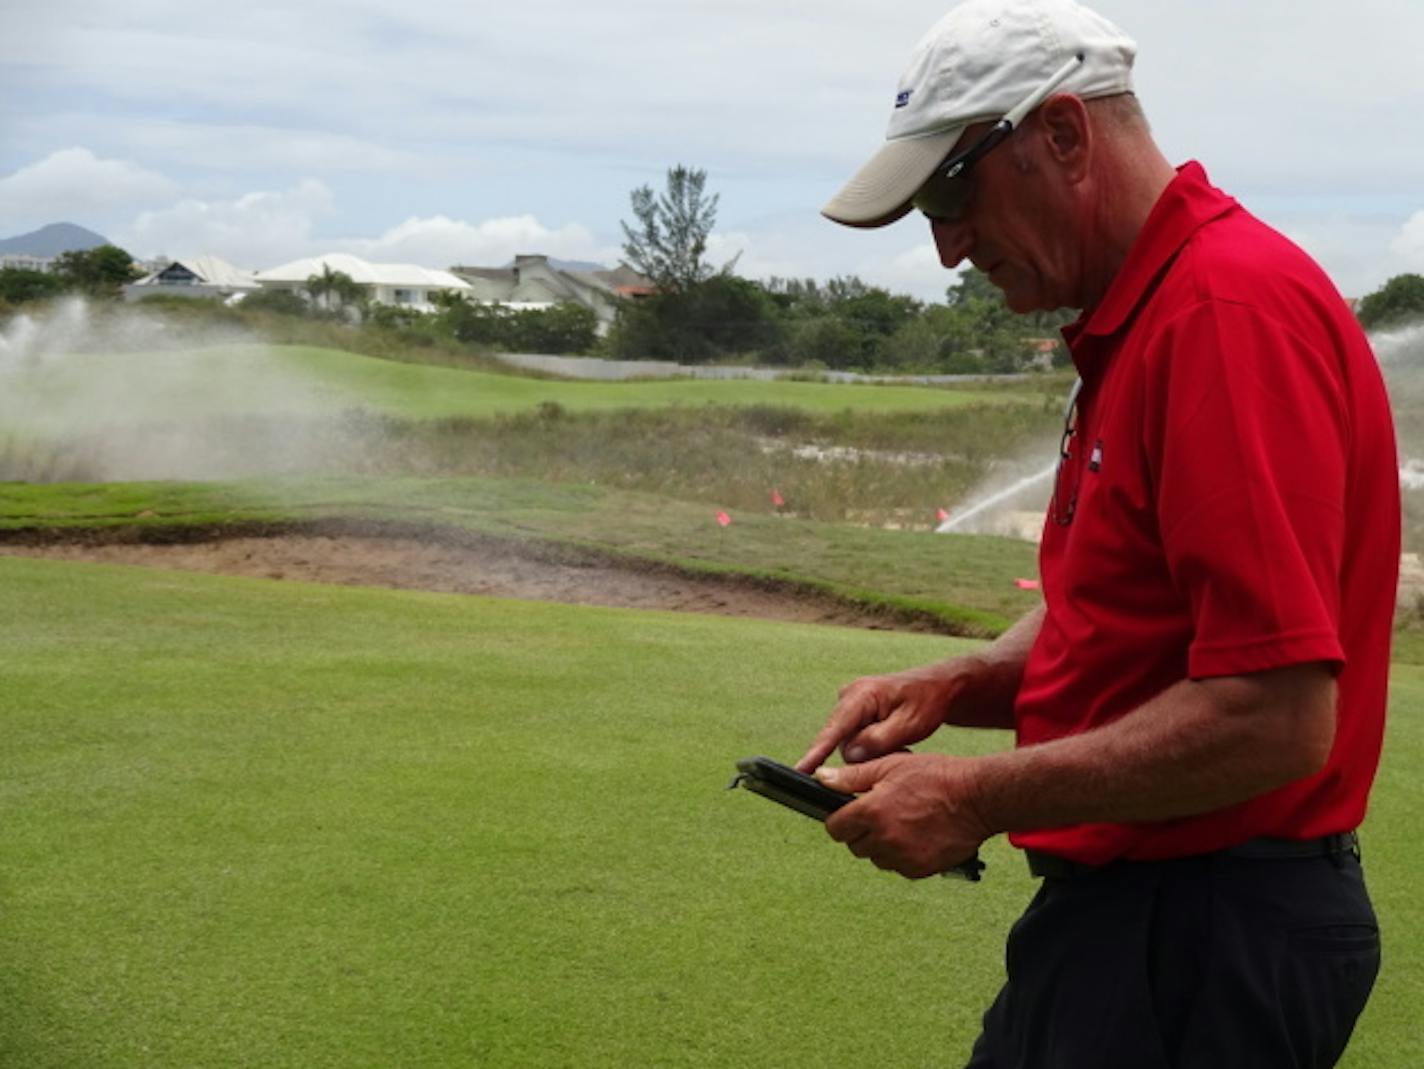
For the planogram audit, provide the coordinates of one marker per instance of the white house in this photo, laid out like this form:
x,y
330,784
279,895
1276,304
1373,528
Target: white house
x,y
23,261
533,282
193,276
401,285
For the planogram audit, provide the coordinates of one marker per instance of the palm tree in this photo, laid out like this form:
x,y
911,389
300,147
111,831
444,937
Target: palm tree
x,y
336,291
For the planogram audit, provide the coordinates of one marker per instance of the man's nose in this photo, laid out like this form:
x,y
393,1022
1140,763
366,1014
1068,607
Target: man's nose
x,y
954,240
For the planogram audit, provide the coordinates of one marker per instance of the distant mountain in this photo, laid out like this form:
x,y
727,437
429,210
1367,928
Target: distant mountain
x,y
52,240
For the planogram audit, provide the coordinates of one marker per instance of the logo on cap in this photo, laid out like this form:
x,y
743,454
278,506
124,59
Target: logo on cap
x,y
903,98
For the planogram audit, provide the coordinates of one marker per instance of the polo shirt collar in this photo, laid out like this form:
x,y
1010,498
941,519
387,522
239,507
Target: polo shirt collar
x,y
1188,203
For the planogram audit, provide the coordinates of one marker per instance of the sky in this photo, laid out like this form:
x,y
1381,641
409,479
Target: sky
x,y
443,133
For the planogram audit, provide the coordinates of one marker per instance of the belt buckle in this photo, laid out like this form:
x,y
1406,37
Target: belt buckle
x,y
1341,844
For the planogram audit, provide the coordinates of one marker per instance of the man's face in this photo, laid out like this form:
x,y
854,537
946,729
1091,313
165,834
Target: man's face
x,y
1015,227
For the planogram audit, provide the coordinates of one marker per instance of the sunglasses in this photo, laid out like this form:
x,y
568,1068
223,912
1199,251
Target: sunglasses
x,y
1064,502
947,191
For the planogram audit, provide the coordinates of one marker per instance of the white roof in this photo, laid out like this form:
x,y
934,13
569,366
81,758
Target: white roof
x,y
368,274
212,270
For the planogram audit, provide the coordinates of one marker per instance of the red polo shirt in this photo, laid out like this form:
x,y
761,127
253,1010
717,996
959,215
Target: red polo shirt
x,y
1230,505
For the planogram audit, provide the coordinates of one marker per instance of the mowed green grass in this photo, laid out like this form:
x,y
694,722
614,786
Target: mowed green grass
x,y
246,823
305,380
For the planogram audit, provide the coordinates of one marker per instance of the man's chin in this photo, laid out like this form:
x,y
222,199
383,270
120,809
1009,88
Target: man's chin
x,y
1019,301
1024,299
1016,297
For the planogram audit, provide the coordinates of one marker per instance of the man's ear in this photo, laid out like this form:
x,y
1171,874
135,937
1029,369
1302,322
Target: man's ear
x,y
1067,134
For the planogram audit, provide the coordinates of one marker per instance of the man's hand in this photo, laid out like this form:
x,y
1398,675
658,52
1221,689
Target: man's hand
x,y
917,814
879,715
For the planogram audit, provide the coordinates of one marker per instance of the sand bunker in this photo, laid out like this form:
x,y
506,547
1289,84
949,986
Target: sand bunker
x,y
467,565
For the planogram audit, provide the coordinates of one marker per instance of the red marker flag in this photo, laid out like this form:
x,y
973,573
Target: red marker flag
x,y
941,514
1027,584
723,519
776,498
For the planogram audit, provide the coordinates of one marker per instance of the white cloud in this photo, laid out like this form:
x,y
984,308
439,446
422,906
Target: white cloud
x,y
754,256
1361,253
242,147
915,270
900,259
256,230
471,73
1408,244
442,242
75,185
263,229
451,113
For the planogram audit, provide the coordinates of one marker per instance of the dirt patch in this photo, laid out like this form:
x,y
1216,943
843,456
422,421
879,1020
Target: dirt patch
x,y
463,565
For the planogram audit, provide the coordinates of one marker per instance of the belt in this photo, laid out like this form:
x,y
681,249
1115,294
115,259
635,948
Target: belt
x,y
1053,867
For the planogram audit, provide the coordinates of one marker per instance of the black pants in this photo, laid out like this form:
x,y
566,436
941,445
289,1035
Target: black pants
x,y
1210,962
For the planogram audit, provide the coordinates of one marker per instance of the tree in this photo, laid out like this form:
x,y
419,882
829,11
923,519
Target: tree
x,y
670,238
868,317
823,341
1397,301
846,288
875,315
18,285
721,316
798,298
917,346
336,291
98,272
970,285
983,325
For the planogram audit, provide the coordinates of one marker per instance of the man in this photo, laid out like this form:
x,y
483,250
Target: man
x,y
1199,702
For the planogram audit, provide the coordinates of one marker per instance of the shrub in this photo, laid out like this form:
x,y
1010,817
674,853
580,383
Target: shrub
x,y
567,327
18,285
281,302
1397,301
722,316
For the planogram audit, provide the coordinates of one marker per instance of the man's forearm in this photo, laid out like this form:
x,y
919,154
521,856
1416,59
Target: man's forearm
x,y
998,670
1196,747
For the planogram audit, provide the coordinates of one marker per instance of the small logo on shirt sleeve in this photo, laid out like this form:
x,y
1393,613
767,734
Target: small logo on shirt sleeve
x,y
1095,458
902,99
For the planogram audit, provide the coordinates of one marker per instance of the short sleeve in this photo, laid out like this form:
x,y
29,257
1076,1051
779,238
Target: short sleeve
x,y
1247,441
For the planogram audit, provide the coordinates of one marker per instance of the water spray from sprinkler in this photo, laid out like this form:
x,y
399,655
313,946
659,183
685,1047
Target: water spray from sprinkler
x,y
955,522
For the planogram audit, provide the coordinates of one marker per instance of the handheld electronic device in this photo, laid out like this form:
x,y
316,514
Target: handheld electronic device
x,y
793,789
810,796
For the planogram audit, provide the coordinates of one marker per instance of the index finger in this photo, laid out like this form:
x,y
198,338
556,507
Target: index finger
x,y
851,714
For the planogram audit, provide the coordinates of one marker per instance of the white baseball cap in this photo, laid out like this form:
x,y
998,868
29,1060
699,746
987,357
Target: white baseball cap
x,y
978,63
